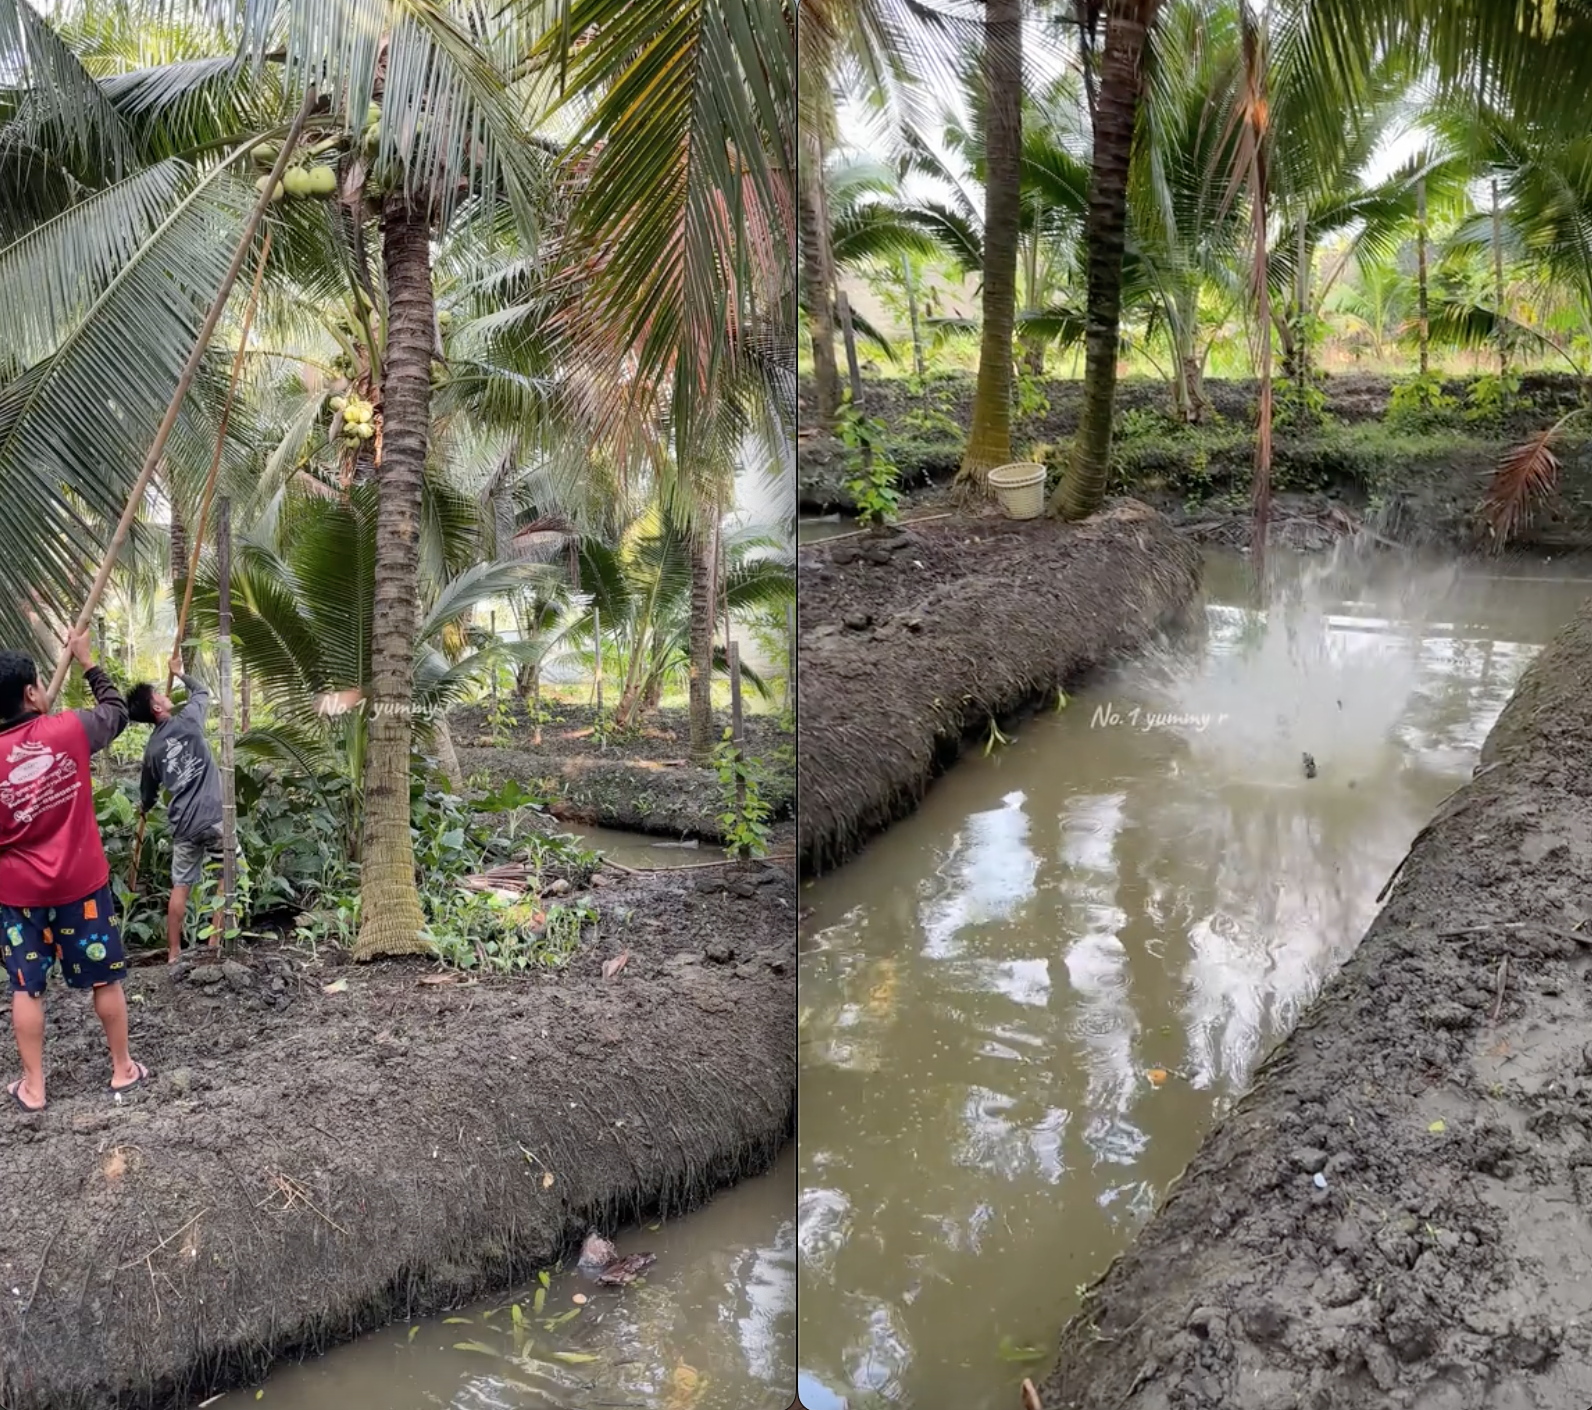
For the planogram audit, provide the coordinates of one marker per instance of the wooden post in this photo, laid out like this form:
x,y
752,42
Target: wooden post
x,y
229,801
597,652
912,313
737,733
843,308
737,724
1420,271
1498,280
790,655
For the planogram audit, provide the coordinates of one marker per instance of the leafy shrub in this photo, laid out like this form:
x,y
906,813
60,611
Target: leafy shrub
x,y
871,473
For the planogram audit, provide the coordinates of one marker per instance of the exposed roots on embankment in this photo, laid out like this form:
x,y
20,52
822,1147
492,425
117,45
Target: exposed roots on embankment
x,y
1440,1088
308,1165
912,641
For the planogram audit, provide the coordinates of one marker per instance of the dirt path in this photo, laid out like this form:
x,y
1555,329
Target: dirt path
x,y
639,782
308,1165
1440,1089
911,641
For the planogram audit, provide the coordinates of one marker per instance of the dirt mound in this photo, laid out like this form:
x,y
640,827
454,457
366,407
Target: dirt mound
x,y
639,781
309,1165
911,640
1439,1088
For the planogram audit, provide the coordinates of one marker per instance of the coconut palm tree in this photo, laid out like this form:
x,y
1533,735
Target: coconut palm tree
x,y
416,119
304,589
989,438
685,227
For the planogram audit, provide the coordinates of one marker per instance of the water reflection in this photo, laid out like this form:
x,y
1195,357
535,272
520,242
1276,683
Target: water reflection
x,y
1024,1006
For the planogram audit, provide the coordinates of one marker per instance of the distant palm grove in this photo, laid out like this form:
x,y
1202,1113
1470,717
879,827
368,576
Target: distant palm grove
x,y
1195,188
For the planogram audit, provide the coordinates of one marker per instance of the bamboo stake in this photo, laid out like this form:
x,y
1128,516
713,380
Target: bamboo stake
x,y
229,798
184,382
737,733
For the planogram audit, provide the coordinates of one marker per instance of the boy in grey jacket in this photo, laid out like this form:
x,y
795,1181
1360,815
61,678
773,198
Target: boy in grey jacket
x,y
178,758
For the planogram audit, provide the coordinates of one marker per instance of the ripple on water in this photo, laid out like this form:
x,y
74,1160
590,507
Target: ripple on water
x,y
1149,895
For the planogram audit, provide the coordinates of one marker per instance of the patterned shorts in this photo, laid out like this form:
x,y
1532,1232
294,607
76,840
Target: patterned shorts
x,y
83,937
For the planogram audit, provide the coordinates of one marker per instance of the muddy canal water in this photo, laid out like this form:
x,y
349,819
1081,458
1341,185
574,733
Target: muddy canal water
x,y
1024,1006
712,1327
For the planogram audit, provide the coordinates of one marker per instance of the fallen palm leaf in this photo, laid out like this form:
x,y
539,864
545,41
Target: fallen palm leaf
x,y
613,966
575,1358
1525,478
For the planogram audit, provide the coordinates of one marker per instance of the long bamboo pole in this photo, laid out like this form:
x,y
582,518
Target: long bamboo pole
x,y
184,382
204,514
215,460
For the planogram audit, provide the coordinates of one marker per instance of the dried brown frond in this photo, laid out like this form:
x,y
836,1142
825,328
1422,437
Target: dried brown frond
x,y
1525,478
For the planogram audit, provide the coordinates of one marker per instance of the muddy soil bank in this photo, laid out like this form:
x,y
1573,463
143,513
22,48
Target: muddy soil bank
x,y
911,641
305,1166
1419,485
638,782
1439,1088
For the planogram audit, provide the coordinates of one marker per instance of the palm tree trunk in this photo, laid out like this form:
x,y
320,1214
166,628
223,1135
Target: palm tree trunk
x,y
989,440
447,755
818,278
1121,75
701,646
391,919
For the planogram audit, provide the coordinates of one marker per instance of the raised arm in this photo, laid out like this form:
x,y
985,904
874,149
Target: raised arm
x,y
108,718
198,694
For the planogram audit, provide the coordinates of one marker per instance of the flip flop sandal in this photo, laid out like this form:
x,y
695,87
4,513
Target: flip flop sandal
x,y
138,1081
15,1090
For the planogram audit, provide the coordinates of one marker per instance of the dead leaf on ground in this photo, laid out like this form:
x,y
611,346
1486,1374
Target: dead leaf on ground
x,y
116,1166
337,986
1030,1397
547,1180
579,733
613,966
439,979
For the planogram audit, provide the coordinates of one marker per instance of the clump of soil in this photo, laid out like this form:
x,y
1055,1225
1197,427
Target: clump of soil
x,y
307,1165
1399,1213
640,780
914,638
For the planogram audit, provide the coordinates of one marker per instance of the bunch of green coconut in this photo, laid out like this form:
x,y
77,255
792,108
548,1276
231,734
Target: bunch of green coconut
x,y
353,420
309,178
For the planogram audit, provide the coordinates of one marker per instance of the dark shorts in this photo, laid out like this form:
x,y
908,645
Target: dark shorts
x,y
83,937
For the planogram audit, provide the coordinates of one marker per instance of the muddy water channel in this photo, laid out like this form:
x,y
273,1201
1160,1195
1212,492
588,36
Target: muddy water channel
x,y
1024,1006
711,1327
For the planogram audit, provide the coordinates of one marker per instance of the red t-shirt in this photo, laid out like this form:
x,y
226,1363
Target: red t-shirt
x,y
50,849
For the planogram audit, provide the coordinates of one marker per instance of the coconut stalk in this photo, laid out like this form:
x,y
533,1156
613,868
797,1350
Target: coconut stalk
x,y
163,434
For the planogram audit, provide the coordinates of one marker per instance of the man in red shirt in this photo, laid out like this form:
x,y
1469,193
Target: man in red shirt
x,y
56,903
